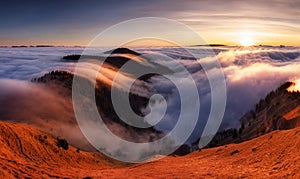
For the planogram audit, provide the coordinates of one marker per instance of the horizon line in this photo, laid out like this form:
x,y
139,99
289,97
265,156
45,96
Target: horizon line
x,y
192,45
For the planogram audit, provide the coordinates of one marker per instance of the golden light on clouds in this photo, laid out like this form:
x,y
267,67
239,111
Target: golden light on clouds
x,y
149,42
295,87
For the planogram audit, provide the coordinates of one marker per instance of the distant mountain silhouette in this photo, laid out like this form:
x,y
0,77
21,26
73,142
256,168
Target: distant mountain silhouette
x,y
117,59
210,45
122,50
27,46
76,57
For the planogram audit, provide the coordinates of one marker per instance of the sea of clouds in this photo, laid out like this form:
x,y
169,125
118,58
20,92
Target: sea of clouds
x,y
250,74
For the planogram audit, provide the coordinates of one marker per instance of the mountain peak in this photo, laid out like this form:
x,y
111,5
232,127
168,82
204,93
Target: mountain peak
x,y
122,50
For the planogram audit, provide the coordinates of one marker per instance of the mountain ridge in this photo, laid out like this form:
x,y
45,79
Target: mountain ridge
x,y
269,114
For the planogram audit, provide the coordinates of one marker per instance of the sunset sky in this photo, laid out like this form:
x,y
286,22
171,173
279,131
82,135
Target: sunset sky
x,y
231,22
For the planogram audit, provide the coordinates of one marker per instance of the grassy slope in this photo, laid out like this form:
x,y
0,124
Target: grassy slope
x,y
26,152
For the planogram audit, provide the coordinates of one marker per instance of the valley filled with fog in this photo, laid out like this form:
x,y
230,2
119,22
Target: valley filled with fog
x,y
250,73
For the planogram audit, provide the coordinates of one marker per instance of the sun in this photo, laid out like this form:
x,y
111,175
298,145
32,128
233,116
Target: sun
x,y
246,39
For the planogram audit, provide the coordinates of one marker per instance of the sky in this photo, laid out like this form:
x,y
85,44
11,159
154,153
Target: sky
x,y
231,22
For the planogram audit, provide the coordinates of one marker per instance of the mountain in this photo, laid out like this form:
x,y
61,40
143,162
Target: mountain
x,y
104,104
116,58
30,153
138,97
279,110
122,50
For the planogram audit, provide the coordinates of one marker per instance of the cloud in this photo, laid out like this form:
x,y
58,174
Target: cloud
x,y
47,107
250,74
28,63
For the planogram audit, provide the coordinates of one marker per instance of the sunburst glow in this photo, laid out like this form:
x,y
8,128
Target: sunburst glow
x,y
246,39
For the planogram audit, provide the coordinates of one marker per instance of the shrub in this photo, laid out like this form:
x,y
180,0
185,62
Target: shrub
x,y
62,143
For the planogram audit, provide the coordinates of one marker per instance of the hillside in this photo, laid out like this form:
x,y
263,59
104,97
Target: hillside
x,y
279,110
56,79
27,152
